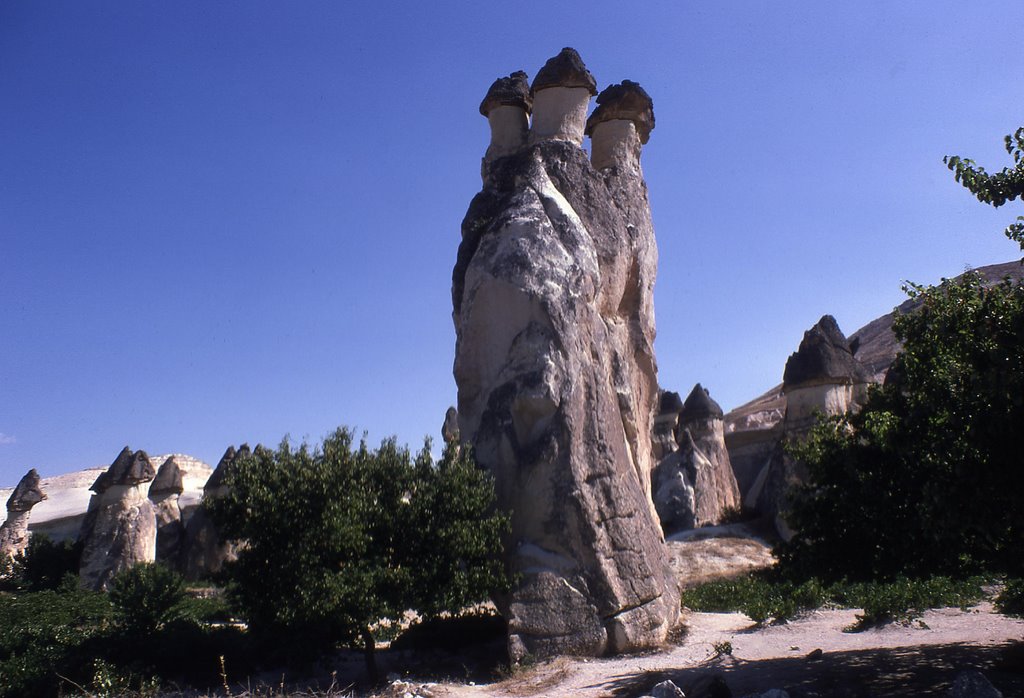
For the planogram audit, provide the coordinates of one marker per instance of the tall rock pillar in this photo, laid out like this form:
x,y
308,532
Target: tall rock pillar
x,y
552,293
14,530
120,527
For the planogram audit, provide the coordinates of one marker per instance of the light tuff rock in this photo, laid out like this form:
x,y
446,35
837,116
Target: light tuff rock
x,y
821,377
14,530
164,492
553,310
122,529
203,551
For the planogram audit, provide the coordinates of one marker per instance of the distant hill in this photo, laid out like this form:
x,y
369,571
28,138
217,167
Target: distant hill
x,y
60,515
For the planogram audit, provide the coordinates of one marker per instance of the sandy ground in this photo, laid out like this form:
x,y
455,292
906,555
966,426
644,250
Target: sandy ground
x,y
811,656
920,659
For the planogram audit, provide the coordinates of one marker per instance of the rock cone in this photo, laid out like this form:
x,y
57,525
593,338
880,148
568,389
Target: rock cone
x,y
204,552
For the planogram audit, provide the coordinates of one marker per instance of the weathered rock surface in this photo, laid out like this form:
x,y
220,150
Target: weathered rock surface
x,y
695,486
164,492
821,377
122,523
553,310
14,530
203,551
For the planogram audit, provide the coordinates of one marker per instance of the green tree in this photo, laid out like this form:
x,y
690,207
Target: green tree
x,y
927,477
995,189
339,537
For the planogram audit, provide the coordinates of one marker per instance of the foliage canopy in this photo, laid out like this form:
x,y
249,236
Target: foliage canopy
x,y
340,537
995,189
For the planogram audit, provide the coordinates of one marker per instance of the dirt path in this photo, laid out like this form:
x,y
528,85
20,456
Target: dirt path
x,y
920,659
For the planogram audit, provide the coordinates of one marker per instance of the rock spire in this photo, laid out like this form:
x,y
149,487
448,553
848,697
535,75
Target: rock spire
x,y
557,389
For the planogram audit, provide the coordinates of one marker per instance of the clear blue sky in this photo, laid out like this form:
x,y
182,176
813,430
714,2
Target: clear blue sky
x,y
224,222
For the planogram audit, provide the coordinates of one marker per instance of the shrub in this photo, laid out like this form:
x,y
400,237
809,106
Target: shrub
x,y
49,634
45,563
146,597
766,596
1011,599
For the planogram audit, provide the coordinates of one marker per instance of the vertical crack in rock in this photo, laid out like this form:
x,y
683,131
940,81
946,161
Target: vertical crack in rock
x,y
552,296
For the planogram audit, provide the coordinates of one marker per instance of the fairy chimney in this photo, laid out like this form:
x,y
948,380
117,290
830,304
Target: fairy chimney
x,y
507,107
14,530
123,528
620,126
561,94
203,550
164,493
823,376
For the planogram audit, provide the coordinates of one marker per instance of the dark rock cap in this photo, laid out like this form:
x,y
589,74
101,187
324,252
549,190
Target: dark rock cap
x,y
450,427
824,357
564,70
120,464
168,479
513,91
699,405
131,471
27,494
219,473
670,402
628,101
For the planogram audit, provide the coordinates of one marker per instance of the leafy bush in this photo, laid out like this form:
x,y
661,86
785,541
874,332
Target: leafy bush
x,y
45,563
146,597
1011,599
49,634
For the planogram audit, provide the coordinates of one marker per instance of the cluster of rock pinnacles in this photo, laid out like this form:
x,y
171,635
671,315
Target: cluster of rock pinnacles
x,y
558,396
133,516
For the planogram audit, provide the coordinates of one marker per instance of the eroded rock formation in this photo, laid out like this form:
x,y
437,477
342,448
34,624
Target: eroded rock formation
x,y
204,552
694,485
122,523
14,530
553,310
164,493
821,377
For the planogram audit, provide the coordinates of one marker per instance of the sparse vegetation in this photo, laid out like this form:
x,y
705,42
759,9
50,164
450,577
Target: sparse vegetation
x,y
766,597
